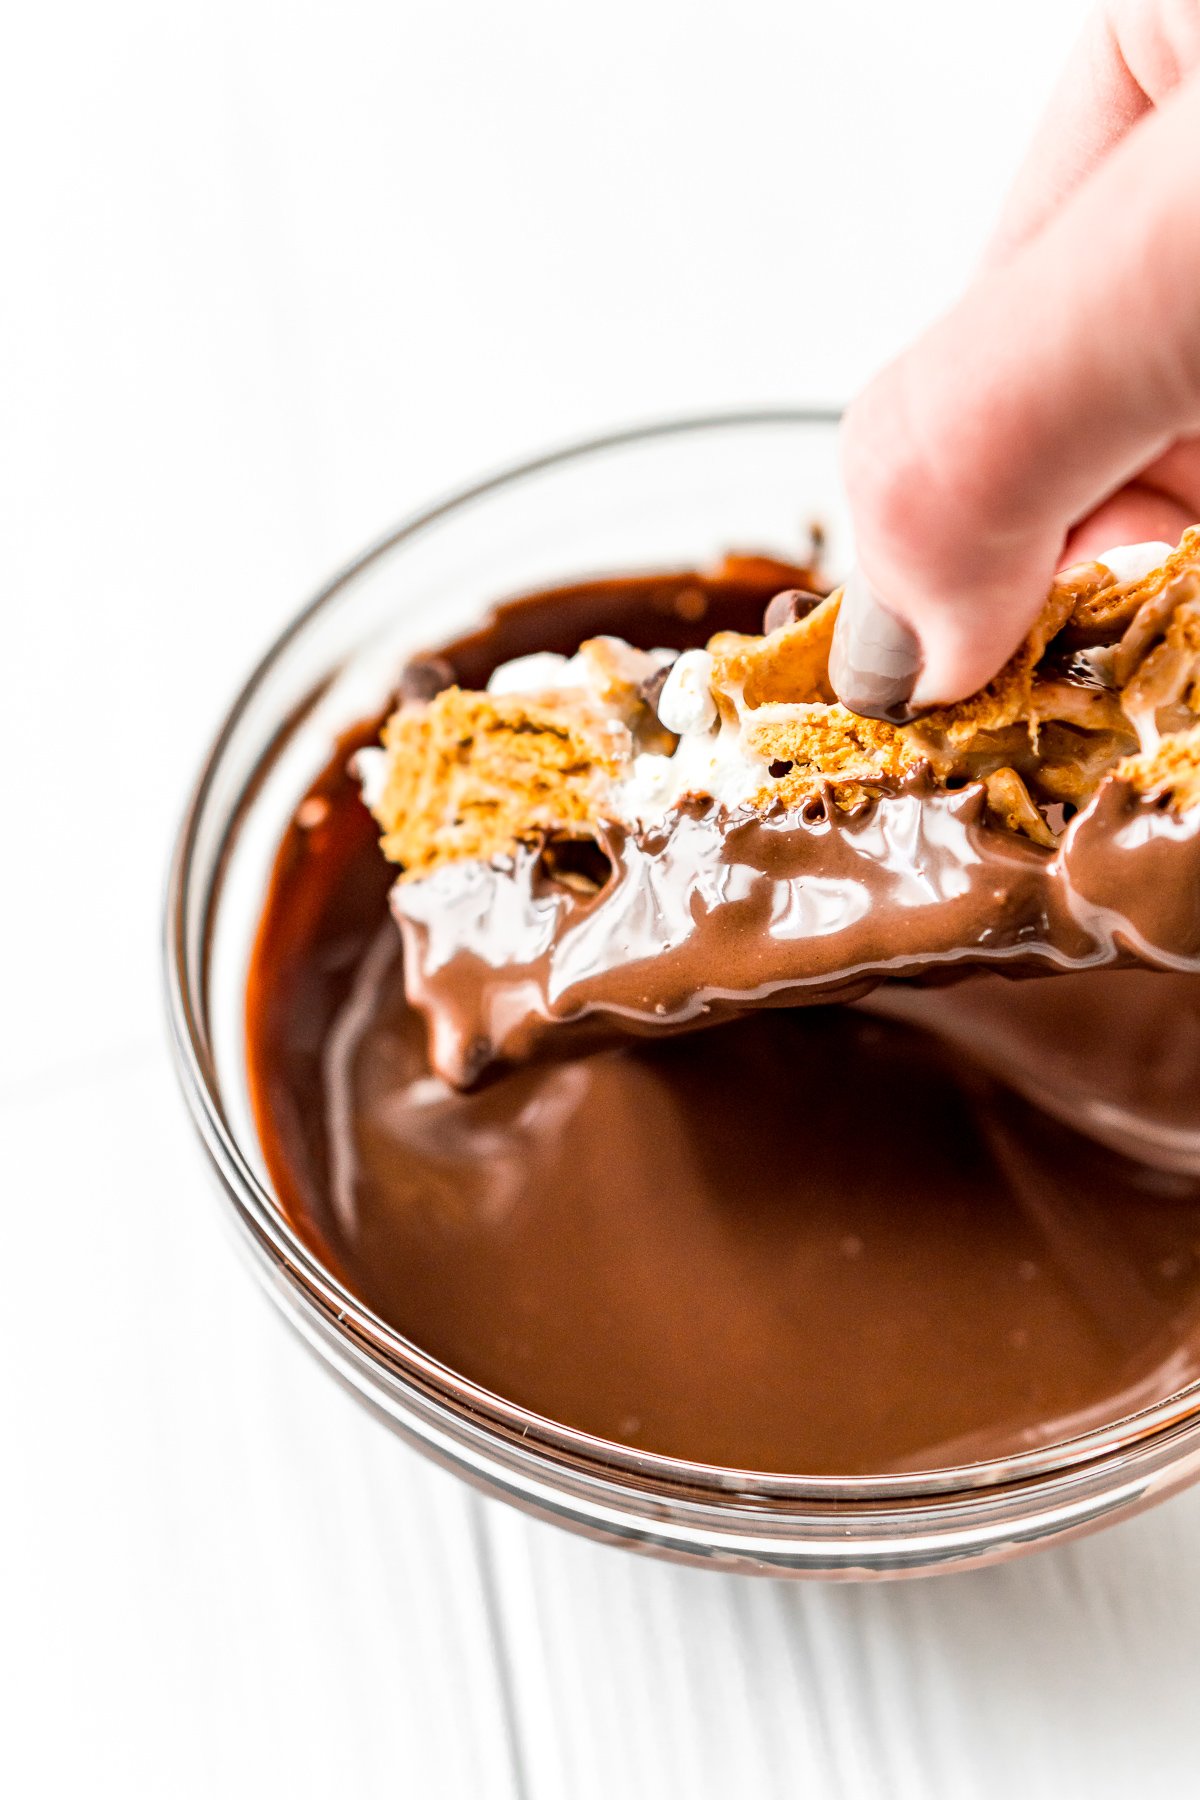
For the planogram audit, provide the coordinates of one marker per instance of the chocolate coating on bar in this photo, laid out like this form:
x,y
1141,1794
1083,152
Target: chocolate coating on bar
x,y
715,916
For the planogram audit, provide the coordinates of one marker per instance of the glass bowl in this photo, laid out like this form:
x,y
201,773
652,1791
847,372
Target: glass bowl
x,y
663,496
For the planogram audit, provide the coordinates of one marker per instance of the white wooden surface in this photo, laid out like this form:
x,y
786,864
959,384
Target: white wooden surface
x,y
274,273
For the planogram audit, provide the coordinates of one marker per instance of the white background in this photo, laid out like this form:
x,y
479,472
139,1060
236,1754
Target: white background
x,y
272,275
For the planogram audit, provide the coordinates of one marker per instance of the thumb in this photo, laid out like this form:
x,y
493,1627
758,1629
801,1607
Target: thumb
x,y
1056,378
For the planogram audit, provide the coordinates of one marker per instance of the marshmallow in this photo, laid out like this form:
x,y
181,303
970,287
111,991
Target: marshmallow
x,y
717,766
686,704
650,790
541,673
370,769
1133,562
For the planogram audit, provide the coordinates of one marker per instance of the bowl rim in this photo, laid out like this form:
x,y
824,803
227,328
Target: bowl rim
x,y
430,1400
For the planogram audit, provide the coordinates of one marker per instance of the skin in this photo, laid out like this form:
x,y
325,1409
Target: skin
x,y
1055,410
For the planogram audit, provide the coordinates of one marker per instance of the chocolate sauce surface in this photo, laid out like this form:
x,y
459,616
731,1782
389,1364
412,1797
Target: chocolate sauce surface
x,y
833,1240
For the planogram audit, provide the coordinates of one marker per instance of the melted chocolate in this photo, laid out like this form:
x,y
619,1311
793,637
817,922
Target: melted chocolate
x,y
715,913
814,1241
718,913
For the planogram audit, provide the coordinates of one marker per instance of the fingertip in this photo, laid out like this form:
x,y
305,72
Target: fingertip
x,y
967,645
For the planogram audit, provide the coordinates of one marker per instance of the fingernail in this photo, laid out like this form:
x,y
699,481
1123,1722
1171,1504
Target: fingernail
x,y
875,658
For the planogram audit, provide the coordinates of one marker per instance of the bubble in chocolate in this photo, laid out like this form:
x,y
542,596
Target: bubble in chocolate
x,y
425,678
789,606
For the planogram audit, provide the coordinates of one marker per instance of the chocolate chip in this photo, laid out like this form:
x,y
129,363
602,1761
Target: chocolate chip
x,y
789,606
652,687
779,768
425,677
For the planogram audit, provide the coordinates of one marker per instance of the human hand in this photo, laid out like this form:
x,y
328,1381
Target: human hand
x,y
1054,411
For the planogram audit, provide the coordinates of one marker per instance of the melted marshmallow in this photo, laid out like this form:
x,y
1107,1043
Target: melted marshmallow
x,y
714,763
541,673
370,769
686,704
1133,562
